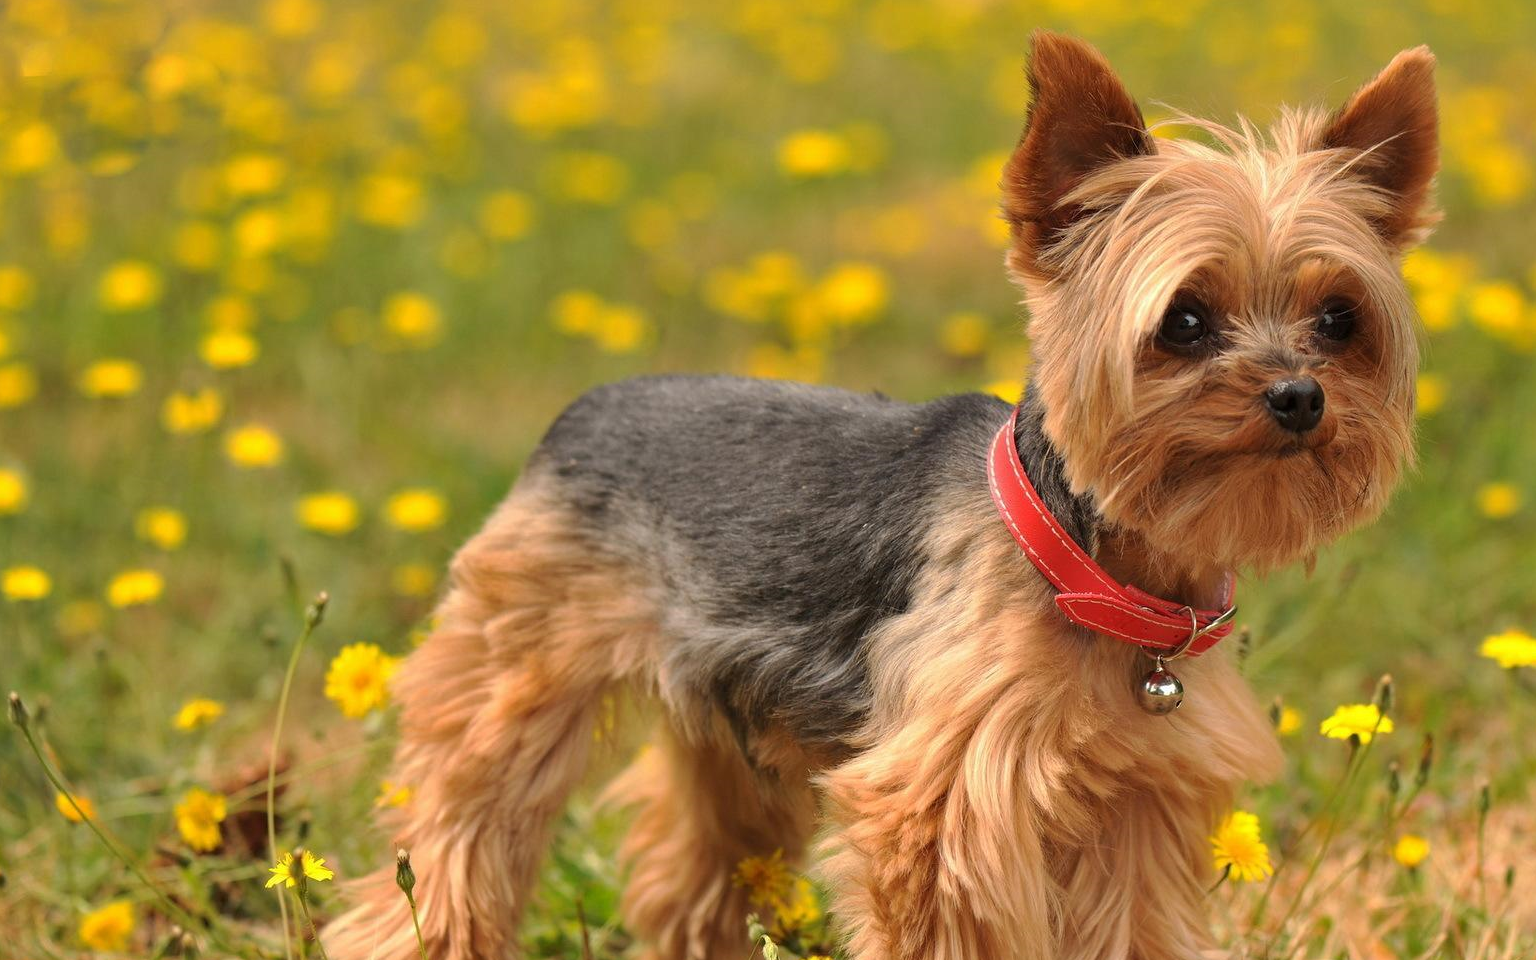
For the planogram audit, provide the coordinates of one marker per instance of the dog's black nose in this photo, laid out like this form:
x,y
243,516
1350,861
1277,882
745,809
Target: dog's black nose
x,y
1295,404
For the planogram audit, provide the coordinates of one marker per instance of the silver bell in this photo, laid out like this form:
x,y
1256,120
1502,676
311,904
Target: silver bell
x,y
1160,692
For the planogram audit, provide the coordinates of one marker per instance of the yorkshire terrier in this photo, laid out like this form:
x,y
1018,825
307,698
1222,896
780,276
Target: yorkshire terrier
x,y
914,626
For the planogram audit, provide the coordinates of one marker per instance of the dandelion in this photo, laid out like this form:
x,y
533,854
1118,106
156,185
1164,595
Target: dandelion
x,y
198,815
197,713
289,870
333,513
964,335
588,177
18,385
1239,850
1496,501
506,215
1512,648
852,293
257,232
413,319
413,579
1410,850
1363,720
767,880
415,510
135,588
165,527
196,246
392,794
13,492
34,147
1009,391
16,287
108,928
799,908
129,285
1431,389
188,413
229,349
390,201
23,583
253,446
73,811
813,153
620,328
1289,722
111,378
358,679
254,174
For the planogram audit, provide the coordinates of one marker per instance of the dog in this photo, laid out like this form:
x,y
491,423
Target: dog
x,y
864,619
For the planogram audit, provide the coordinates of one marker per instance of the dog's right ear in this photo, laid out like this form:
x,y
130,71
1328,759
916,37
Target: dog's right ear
x,y
1080,117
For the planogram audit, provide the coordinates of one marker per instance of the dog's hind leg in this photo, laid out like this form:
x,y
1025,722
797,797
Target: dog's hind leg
x,y
498,714
699,810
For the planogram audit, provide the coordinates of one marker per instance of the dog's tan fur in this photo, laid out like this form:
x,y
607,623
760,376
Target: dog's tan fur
x,y
1006,798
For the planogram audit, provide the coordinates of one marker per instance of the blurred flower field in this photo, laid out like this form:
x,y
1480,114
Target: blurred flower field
x,y
288,290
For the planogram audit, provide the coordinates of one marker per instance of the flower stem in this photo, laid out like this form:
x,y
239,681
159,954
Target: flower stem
x,y
181,916
313,931
312,617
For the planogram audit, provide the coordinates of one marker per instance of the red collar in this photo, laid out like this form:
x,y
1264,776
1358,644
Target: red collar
x,y
1089,596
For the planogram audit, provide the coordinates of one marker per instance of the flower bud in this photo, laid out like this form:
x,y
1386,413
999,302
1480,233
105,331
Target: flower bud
x,y
17,710
405,877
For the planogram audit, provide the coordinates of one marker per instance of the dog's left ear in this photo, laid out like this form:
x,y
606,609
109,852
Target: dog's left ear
x,y
1080,117
1394,123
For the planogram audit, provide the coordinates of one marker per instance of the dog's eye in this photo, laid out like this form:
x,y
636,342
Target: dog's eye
x,y
1183,325
1336,320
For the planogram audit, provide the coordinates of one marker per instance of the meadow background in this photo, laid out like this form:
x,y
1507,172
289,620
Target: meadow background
x,y
289,289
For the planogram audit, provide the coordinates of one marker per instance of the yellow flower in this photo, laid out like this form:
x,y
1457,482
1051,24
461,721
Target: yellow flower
x,y
1364,720
1290,721
852,293
767,880
1498,500
506,215
813,153
620,328
197,713
108,928
799,908
389,200
32,148
1431,390
332,512
196,246
257,232
1512,648
16,287
1009,391
1410,850
13,492
25,583
964,334
198,816
135,588
413,318
393,795
287,872
254,174
253,446
1497,306
165,527
80,618
585,176
227,349
18,385
413,579
358,679
185,413
111,378
129,285
416,509
73,815
1238,848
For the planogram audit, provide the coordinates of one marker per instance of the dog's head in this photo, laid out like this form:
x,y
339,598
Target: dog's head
x,y
1223,342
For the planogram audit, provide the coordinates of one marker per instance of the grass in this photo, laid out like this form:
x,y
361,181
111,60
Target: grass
x,y
395,203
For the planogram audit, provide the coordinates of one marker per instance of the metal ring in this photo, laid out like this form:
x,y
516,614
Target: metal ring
x,y
1196,631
